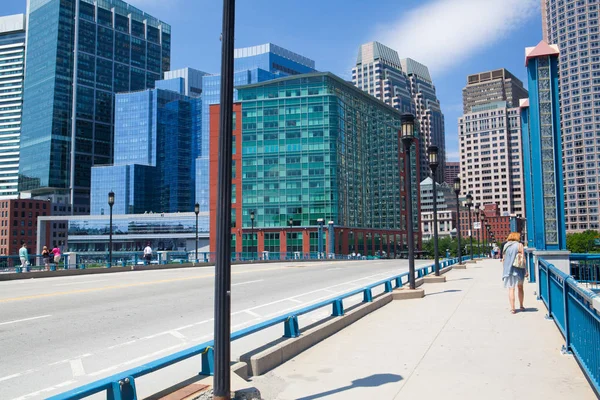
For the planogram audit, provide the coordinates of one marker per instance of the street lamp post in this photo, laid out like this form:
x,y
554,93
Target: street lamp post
x,y
196,211
111,203
432,152
407,133
252,232
320,221
479,216
469,205
457,192
291,224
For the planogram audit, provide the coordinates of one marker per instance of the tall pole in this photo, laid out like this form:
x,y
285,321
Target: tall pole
x,y
433,164
469,205
222,349
457,192
196,211
110,246
409,221
252,237
478,214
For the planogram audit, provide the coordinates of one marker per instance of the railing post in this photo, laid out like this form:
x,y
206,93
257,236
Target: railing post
x,y
388,287
367,296
122,390
208,362
536,263
567,347
549,281
399,282
338,308
291,327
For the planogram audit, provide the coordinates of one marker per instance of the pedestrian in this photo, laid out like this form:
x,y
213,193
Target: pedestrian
x,y
147,254
46,257
24,256
514,271
56,254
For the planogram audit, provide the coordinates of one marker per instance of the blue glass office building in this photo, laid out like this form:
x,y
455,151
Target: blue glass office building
x,y
98,48
153,155
252,65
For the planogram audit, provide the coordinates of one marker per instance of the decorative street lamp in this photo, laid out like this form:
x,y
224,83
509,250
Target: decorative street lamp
x,y
489,241
479,216
291,224
320,221
407,133
196,211
457,192
432,152
252,232
469,205
111,203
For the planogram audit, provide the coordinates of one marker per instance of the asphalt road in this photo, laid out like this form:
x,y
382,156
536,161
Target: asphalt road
x,y
59,333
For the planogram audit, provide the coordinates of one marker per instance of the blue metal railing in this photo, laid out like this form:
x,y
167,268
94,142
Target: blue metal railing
x,y
35,263
585,268
571,306
121,386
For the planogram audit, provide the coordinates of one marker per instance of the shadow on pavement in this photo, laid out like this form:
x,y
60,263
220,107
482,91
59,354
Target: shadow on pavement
x,y
459,279
369,381
529,309
445,291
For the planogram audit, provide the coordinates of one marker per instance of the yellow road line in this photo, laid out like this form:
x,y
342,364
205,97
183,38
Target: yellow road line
x,y
98,289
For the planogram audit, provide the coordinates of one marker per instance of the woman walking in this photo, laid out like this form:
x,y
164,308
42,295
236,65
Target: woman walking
x,y
514,271
46,257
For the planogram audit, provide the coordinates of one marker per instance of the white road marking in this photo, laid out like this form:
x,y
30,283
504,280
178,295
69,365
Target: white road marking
x,y
77,367
23,320
252,313
77,283
295,301
177,334
135,360
68,360
246,283
333,269
49,389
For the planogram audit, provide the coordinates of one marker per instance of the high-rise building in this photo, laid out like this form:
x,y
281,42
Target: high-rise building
x,y
12,59
446,209
18,225
491,155
573,26
154,132
251,65
451,172
313,148
407,86
79,54
428,113
491,86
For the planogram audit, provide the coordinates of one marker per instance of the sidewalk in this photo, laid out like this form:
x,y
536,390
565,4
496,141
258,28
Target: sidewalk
x,y
459,342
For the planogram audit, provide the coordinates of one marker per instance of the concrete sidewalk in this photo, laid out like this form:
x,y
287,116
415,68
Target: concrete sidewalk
x,y
459,342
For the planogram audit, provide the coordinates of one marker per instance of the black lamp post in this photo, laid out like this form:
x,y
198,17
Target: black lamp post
x,y
407,133
196,211
469,205
320,221
111,203
479,215
252,232
489,242
432,152
291,224
457,192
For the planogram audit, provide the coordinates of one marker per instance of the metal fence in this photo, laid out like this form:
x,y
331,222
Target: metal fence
x,y
572,308
122,385
35,262
585,268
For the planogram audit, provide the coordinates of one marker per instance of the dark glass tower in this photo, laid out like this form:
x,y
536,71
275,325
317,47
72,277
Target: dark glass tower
x,y
80,54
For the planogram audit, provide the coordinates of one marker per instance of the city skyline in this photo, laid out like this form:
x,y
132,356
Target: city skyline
x,y
509,28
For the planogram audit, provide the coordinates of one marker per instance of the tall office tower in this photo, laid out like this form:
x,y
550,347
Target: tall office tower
x,y
154,132
251,65
451,172
12,59
79,54
491,155
490,86
573,26
428,113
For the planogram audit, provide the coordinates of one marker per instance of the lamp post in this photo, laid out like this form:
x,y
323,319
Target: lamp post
x,y
489,243
480,230
291,224
469,205
111,203
196,211
407,133
252,232
432,152
457,192
320,221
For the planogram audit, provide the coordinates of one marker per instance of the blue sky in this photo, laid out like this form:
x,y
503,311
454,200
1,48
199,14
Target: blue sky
x,y
454,38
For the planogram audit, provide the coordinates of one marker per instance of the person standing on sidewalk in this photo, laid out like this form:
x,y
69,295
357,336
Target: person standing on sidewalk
x,y
514,272
56,254
147,254
24,256
46,257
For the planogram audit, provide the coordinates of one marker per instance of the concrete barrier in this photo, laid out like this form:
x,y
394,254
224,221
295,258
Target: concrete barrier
x,y
266,358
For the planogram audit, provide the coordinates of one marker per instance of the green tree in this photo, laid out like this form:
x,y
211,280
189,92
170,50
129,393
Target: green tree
x,y
583,242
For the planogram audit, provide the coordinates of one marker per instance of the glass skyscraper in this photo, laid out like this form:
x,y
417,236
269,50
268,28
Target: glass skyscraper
x,y
12,67
79,54
312,147
573,25
251,65
152,171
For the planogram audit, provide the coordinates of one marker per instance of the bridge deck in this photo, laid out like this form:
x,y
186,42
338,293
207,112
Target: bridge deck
x,y
459,342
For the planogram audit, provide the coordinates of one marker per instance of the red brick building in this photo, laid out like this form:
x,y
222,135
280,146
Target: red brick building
x,y
18,224
490,215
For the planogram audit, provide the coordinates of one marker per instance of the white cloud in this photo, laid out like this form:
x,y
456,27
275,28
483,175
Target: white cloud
x,y
441,33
